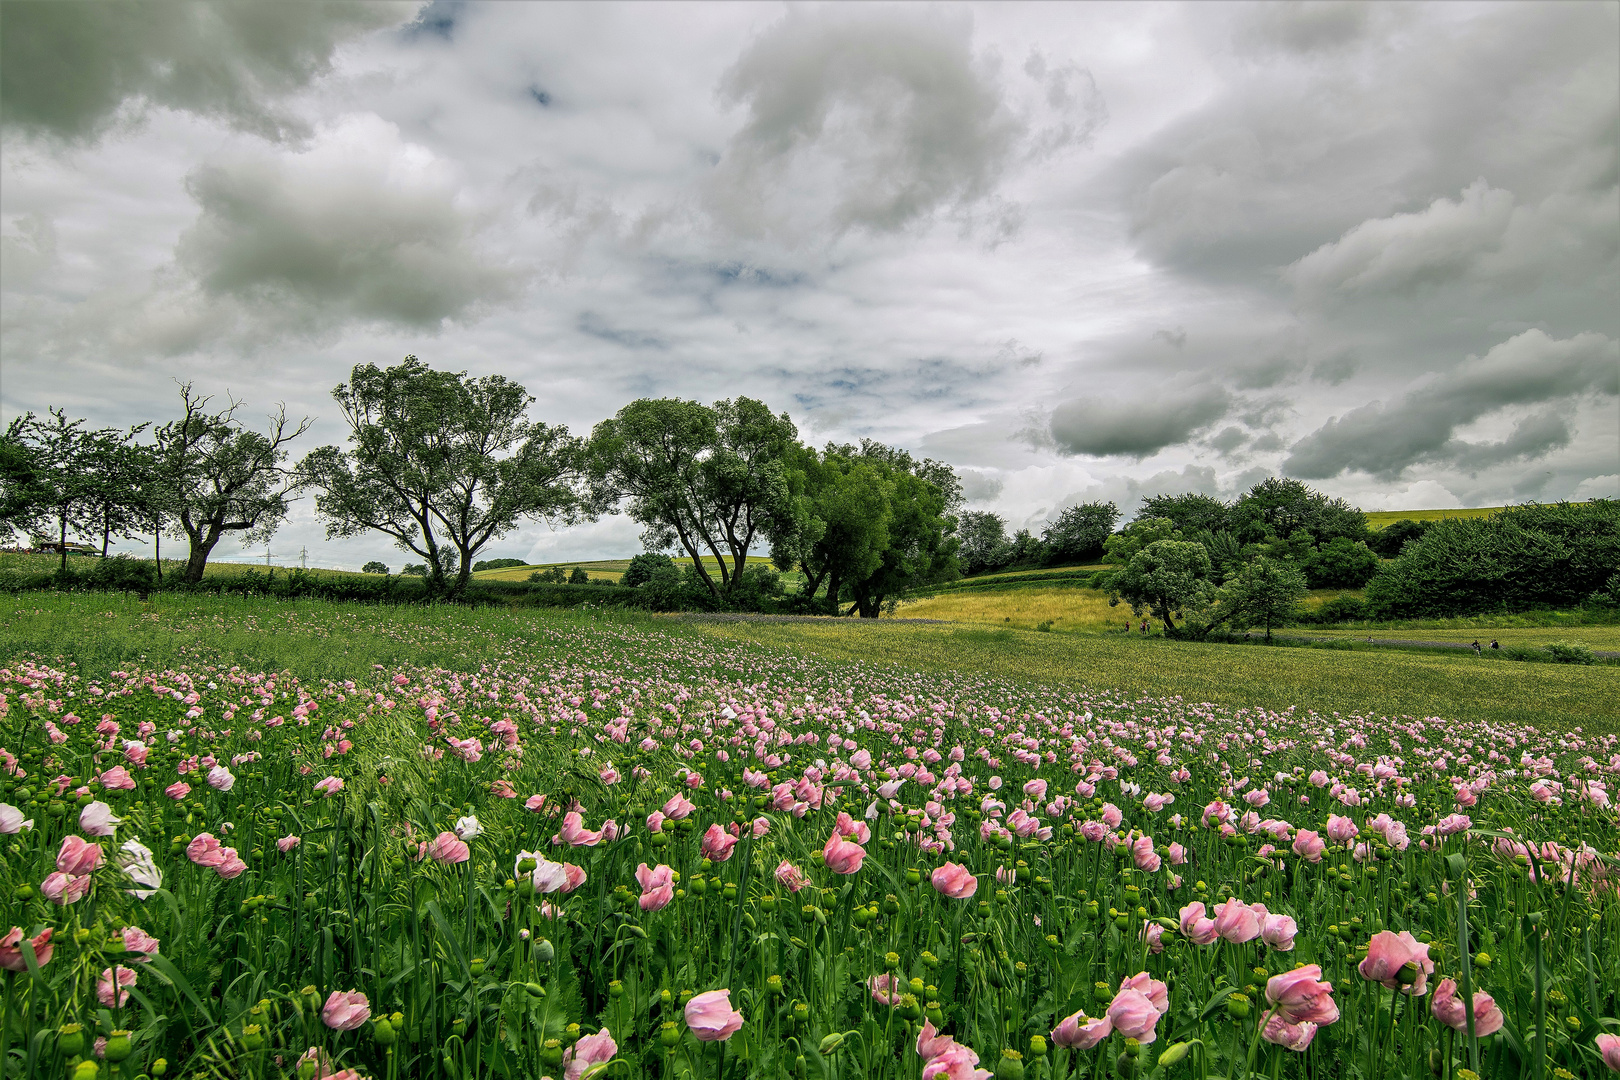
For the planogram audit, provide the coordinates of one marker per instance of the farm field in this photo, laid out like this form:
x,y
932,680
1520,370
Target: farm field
x,y
446,842
428,842
1378,519
33,562
609,570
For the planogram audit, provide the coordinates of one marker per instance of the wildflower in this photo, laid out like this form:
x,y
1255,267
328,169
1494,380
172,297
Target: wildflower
x,y
139,942
204,850
588,1053
117,778
1309,846
717,844
110,987
1300,996
467,827
1609,1047
63,889
711,1017
77,856
330,786
1278,931
287,843
135,860
177,790
1398,961
446,848
1195,927
1290,1036
97,819
220,778
574,833
657,886
1081,1032
954,881
841,856
1134,1015
345,1010
791,877
11,955
1449,1009
1236,921
12,821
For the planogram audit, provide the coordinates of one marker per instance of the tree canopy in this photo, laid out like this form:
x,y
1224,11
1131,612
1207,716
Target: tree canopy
x,y
444,464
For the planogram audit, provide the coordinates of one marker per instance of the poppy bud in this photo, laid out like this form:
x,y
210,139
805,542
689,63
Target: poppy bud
x,y
70,1039
1011,1066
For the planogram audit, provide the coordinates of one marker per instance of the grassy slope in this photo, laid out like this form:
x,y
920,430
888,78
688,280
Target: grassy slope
x,y
1377,519
1380,682
11,560
338,641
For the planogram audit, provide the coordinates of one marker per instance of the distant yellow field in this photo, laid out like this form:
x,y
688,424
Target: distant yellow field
x,y
1066,608
1378,519
610,570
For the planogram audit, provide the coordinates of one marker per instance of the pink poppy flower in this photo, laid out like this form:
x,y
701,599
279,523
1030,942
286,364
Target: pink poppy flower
x,y
205,851
117,778
954,881
11,955
1236,922
711,1017
329,787
1300,996
63,889
1080,1032
589,1052
1280,1032
97,819
1134,1015
138,941
177,790
1388,957
791,877
287,843
345,1010
446,848
110,986
1449,1009
841,856
717,844
77,856
657,886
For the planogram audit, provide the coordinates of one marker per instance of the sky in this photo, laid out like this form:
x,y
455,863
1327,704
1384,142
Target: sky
x,y
1078,251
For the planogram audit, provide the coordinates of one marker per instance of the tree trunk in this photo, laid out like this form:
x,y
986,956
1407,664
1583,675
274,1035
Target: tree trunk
x,y
157,549
62,541
106,532
197,558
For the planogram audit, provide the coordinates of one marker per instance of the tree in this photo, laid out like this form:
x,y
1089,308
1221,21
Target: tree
x,y
219,477
62,482
579,577
921,547
642,568
1389,540
123,496
1166,577
1079,532
415,570
442,463
842,524
1264,592
374,567
1278,506
23,490
1121,546
497,564
984,541
710,480
1341,564
1192,512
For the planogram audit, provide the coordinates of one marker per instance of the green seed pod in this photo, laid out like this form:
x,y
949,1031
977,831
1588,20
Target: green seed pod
x,y
1237,1006
831,1043
86,1070
252,1038
935,1013
1174,1053
70,1039
382,1033
1010,1066
774,984
1037,1047
159,1067
801,1012
545,951
551,1052
616,988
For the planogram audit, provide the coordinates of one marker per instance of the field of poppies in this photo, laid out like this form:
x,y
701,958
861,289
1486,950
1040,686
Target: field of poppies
x,y
600,848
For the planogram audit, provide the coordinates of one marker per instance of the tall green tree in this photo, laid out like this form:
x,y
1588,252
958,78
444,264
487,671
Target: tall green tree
x,y
711,480
219,477
1079,532
1164,577
1192,511
55,453
1277,506
984,541
23,489
1264,592
444,464
921,547
122,485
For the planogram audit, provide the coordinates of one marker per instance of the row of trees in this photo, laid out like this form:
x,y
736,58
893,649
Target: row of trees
x,y
445,464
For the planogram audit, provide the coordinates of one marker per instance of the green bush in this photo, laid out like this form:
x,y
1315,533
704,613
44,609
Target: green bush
x,y
1570,652
1341,563
1520,558
643,566
497,564
374,567
1341,609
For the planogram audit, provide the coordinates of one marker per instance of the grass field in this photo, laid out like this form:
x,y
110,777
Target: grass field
x,y
613,569
1377,519
34,563
318,640
1389,682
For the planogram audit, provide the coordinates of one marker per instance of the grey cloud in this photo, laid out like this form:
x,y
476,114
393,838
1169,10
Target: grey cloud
x,y
360,227
860,118
1073,106
1303,26
27,249
1139,428
979,487
69,70
1438,244
1228,439
1336,369
1529,369
1533,437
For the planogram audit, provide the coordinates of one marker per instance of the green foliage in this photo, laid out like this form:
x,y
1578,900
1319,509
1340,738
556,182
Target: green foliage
x,y
1120,547
1570,652
643,566
984,544
443,464
1341,563
1166,577
579,577
1225,553
1192,512
375,567
1341,609
497,564
555,574
712,480
1278,506
1265,592
1079,532
1523,557
415,570
1389,540
217,477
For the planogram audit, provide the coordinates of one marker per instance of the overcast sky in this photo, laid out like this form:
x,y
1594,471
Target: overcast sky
x,y
1078,251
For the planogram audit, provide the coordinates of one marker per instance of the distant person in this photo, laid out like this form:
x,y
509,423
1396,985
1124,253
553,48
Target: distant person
x,y
1144,628
1494,645
1476,646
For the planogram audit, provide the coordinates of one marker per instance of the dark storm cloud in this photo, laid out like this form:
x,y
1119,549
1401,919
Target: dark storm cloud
x,y
1137,428
1529,369
68,69
359,227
